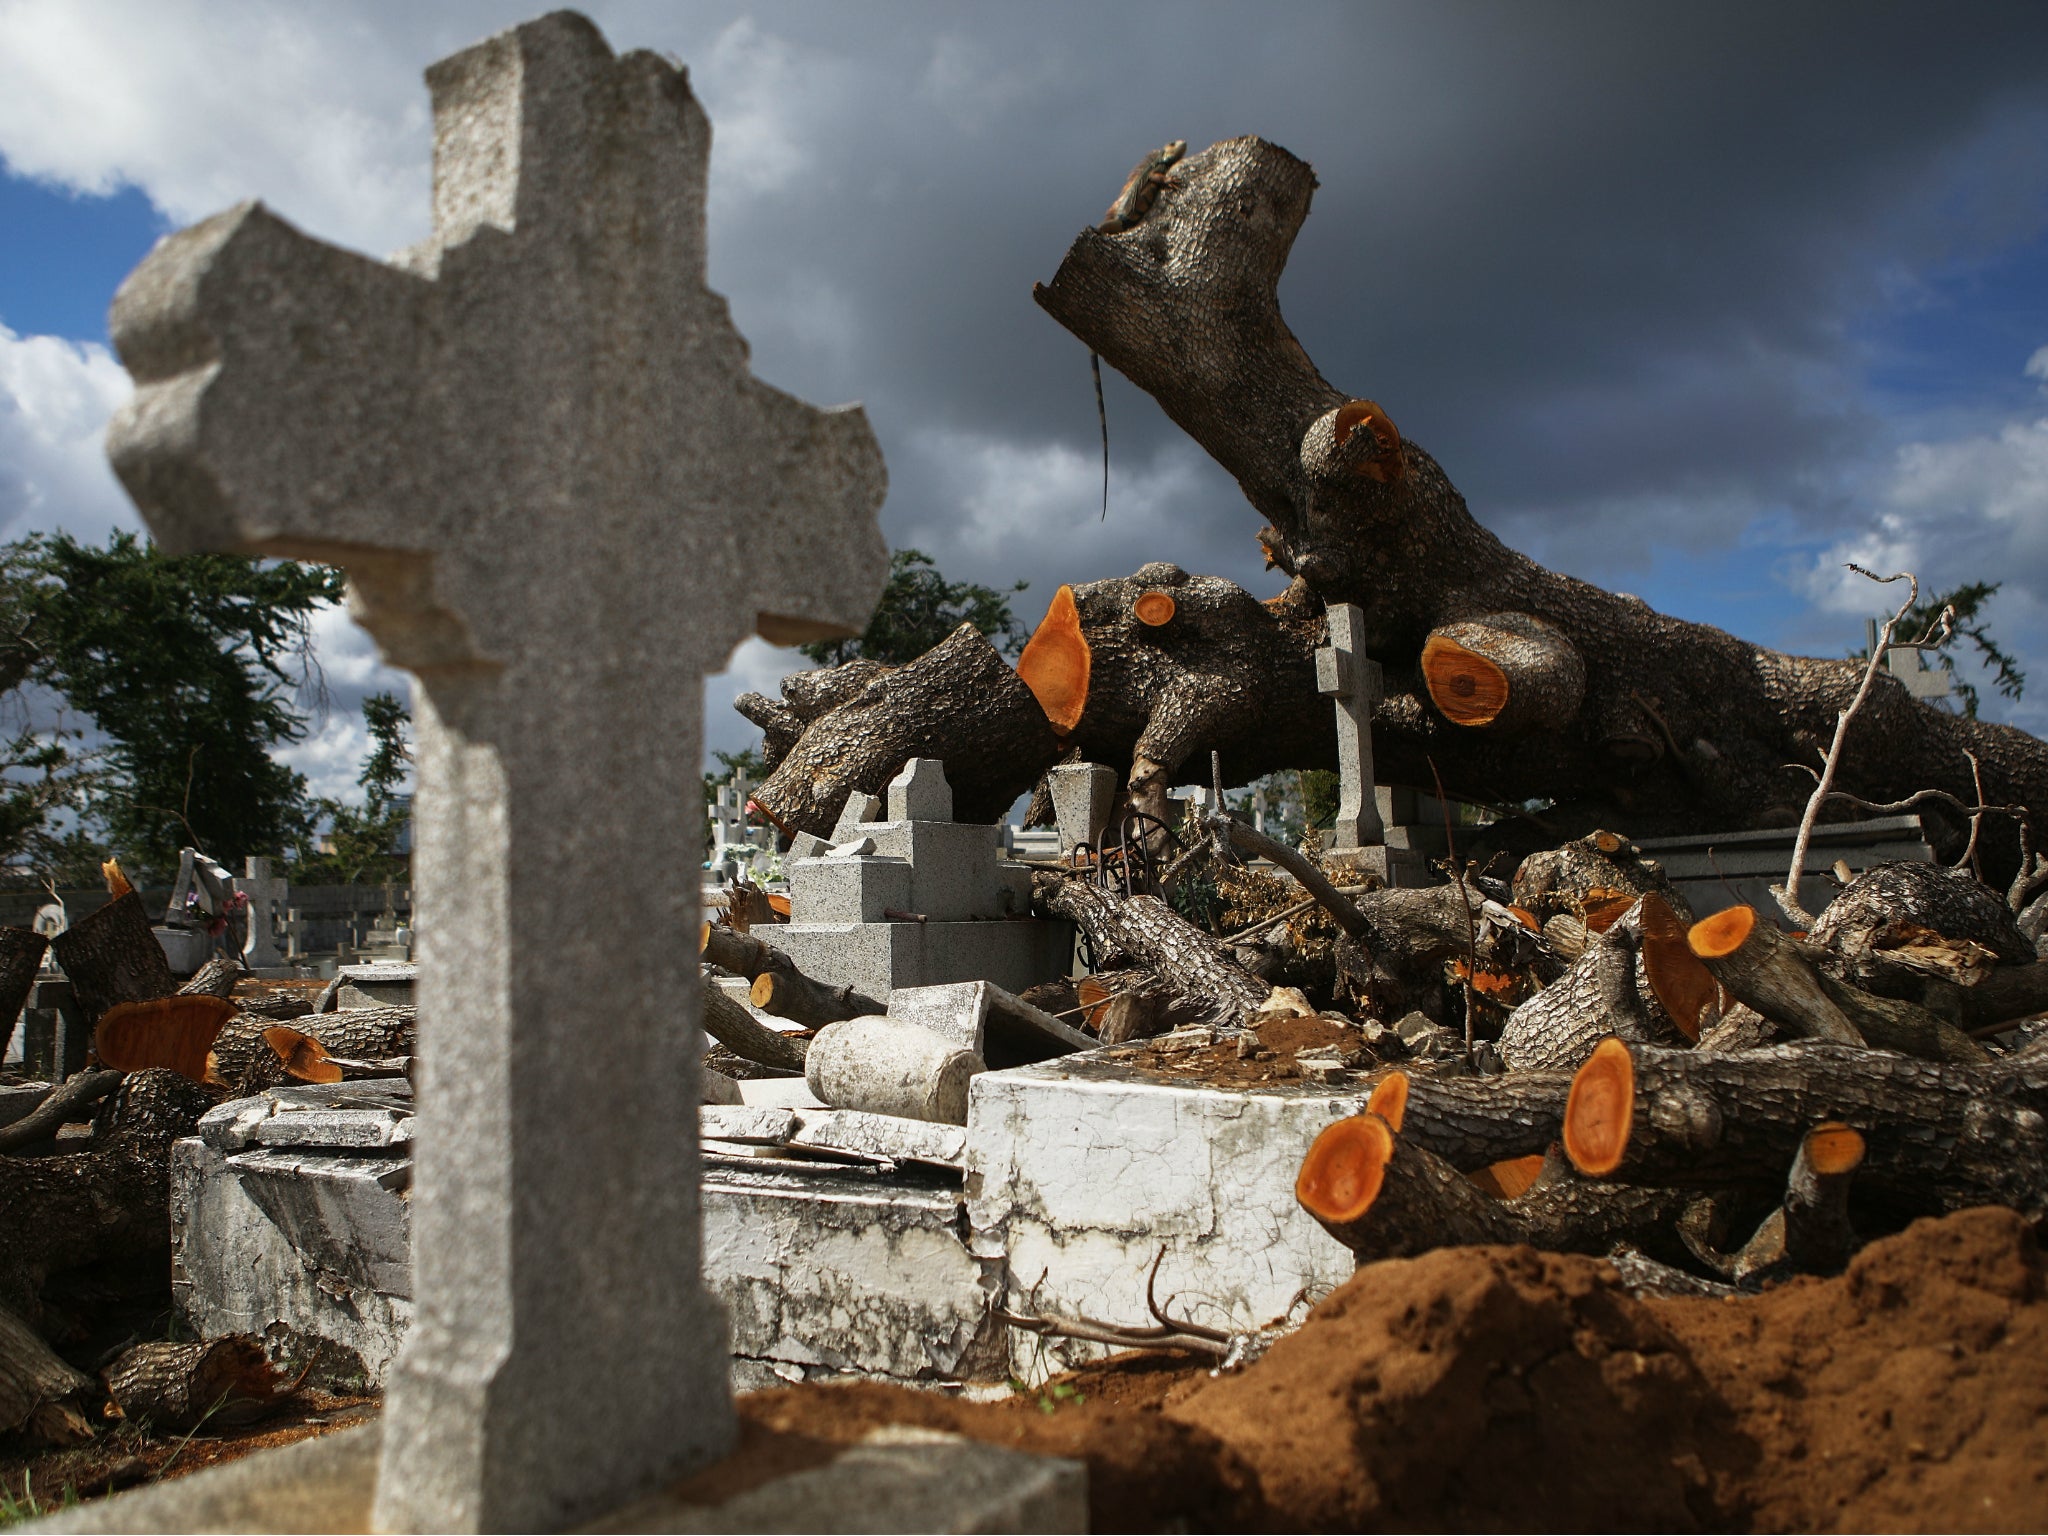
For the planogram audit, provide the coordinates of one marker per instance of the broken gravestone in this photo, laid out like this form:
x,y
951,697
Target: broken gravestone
x,y
534,443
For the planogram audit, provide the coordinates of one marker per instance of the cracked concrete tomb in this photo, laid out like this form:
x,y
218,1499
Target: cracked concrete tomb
x,y
534,444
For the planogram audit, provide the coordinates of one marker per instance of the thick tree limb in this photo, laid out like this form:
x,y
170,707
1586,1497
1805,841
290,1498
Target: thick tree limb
x,y
1937,1138
1158,938
1681,724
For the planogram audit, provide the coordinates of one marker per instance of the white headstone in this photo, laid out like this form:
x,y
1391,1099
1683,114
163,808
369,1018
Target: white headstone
x,y
534,443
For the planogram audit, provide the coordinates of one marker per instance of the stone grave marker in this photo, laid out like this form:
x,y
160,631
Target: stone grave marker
x,y
534,443
1353,682
269,898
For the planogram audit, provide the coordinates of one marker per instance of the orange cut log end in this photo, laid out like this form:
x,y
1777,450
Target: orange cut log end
x,y
1464,685
1390,1099
1834,1148
1603,911
1607,843
1386,463
1719,936
1341,1176
762,992
1155,607
1685,987
173,1032
1510,1179
1601,1110
1056,663
304,1057
117,883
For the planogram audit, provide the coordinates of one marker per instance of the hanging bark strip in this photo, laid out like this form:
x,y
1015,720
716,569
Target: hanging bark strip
x,y
1681,723
1937,1137
1473,1123
1383,1197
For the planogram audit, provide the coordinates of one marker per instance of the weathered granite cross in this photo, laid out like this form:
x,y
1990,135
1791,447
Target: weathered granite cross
x,y
1355,684
534,443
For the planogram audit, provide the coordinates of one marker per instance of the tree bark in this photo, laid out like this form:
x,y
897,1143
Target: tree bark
x,y
779,987
40,1393
1681,724
959,702
1475,1122
1937,1138
21,955
216,1382
741,1033
1596,998
110,1203
216,978
63,1107
112,957
1158,938
244,1062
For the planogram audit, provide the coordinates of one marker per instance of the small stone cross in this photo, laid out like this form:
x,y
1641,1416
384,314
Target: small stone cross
x,y
1355,684
534,443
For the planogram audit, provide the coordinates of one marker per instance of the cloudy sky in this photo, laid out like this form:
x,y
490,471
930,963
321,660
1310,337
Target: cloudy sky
x,y
1697,302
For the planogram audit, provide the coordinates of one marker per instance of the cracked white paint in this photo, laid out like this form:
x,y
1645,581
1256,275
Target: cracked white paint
x,y
1079,1174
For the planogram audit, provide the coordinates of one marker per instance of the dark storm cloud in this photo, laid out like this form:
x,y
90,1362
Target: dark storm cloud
x,y
1608,262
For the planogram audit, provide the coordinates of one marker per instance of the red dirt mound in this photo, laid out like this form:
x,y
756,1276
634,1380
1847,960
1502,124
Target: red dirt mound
x,y
1911,1394
1506,1389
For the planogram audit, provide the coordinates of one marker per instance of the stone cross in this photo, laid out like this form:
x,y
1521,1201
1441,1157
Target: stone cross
x,y
534,442
1354,683
268,897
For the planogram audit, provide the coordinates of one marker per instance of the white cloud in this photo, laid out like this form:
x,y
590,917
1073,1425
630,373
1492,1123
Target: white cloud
x,y
55,399
1969,508
318,111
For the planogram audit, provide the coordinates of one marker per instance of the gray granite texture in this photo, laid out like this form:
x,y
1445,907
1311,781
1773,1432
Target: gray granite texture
x,y
534,443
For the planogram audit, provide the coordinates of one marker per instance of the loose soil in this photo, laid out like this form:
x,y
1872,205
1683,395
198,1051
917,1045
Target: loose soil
x,y
1506,1389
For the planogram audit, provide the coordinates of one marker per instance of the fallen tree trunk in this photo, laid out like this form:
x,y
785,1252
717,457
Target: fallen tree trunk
x,y
218,1382
247,1065
1937,1138
1680,724
1153,934
1596,998
1384,1197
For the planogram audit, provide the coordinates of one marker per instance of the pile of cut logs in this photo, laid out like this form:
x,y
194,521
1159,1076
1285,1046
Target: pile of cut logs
x,y
85,1173
1720,1096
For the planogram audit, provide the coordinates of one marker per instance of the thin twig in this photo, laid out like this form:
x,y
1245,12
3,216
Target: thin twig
x,y
1976,820
1788,895
1465,903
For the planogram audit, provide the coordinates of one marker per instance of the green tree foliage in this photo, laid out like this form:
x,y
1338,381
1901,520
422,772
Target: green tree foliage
x,y
1968,601
918,609
187,667
361,842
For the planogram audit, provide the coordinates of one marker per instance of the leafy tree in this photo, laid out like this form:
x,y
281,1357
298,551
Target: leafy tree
x,y
186,666
361,841
918,609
